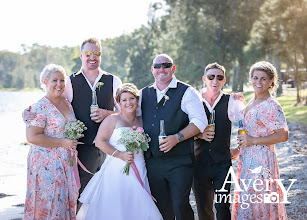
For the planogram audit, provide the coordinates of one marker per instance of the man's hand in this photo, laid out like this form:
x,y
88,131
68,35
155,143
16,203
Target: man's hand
x,y
28,116
235,152
207,135
98,115
168,143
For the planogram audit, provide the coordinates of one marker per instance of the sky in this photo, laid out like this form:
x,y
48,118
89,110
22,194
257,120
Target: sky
x,y
58,23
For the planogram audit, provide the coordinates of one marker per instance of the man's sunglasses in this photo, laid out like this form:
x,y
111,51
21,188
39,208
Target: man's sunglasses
x,y
89,53
165,65
219,77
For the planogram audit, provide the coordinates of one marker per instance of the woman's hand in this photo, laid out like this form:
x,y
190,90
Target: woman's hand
x,y
245,140
70,144
126,156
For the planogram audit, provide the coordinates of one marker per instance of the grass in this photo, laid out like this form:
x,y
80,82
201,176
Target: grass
x,y
294,113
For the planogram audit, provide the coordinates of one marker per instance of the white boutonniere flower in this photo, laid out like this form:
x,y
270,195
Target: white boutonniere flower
x,y
166,97
99,84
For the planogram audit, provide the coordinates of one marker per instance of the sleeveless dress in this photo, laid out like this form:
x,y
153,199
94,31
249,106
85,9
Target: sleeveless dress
x,y
51,186
259,163
110,194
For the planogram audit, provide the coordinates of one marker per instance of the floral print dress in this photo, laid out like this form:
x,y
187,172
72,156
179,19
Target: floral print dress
x,y
258,164
51,187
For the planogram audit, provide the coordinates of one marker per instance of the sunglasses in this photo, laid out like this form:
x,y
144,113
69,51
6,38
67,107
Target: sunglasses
x,y
219,77
89,53
165,65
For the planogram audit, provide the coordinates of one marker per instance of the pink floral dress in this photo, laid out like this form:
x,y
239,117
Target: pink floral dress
x,y
51,187
258,164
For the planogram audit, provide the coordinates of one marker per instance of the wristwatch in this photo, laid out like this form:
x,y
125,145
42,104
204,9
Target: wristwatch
x,y
180,137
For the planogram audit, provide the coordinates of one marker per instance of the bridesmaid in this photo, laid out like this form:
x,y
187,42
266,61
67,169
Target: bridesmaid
x,y
265,125
51,187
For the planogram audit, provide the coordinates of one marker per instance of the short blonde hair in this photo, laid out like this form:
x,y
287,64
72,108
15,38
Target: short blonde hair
x,y
269,69
48,70
127,87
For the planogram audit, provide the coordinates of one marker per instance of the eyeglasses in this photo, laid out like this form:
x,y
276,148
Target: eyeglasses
x,y
165,65
219,77
89,53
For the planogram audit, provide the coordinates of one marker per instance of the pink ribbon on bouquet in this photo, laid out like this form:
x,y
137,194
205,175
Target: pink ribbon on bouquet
x,y
75,167
135,169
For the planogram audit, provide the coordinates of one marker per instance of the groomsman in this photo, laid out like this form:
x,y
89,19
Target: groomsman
x,y
213,157
169,164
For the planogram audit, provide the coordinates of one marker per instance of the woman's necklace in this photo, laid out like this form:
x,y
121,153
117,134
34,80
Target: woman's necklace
x,y
126,119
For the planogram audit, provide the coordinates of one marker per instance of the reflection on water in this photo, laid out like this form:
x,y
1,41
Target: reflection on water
x,y
13,154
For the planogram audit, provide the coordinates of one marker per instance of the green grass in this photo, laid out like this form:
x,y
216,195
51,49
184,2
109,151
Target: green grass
x,y
293,113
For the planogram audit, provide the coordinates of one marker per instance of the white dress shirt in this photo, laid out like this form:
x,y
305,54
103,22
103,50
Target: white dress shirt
x,y
190,104
234,106
69,92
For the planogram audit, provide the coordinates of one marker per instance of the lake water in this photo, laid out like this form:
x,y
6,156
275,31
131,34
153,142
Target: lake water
x,y
13,154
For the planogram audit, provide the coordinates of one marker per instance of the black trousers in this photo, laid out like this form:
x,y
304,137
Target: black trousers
x,y
170,180
92,158
208,177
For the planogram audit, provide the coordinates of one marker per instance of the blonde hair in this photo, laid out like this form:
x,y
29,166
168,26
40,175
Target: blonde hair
x,y
127,87
269,69
48,70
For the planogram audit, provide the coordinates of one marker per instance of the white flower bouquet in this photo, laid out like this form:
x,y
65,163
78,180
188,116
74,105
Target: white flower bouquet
x,y
134,139
73,130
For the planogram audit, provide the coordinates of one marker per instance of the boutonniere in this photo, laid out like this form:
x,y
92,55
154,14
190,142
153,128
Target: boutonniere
x,y
99,84
165,99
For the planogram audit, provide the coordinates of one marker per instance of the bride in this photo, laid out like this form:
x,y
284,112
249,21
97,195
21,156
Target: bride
x,y
110,194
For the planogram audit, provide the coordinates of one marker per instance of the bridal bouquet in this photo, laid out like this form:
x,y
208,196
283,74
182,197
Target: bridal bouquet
x,y
73,131
134,139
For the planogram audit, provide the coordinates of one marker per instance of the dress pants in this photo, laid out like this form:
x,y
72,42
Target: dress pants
x,y
170,181
210,176
92,158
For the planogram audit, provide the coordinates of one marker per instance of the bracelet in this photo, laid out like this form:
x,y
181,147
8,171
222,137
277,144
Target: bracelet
x,y
114,152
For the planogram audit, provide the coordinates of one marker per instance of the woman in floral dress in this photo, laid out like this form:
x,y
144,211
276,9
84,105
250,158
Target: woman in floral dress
x,y
51,187
265,126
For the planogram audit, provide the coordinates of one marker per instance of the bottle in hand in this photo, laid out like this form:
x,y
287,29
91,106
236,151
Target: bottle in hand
x,y
241,130
94,104
211,123
162,134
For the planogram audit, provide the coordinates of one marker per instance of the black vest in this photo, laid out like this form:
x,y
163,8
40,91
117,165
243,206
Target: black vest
x,y
218,149
174,119
82,100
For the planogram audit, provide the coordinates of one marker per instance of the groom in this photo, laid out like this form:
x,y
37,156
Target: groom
x,y
169,165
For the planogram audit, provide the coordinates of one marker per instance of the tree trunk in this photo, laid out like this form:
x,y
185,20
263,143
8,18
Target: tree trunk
x,y
280,82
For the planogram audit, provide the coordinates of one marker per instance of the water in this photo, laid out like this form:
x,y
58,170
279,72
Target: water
x,y
13,153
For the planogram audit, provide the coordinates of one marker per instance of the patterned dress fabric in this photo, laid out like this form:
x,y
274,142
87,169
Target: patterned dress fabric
x,y
51,187
258,164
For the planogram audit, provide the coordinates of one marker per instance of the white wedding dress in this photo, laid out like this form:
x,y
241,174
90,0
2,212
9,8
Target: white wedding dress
x,y
112,195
